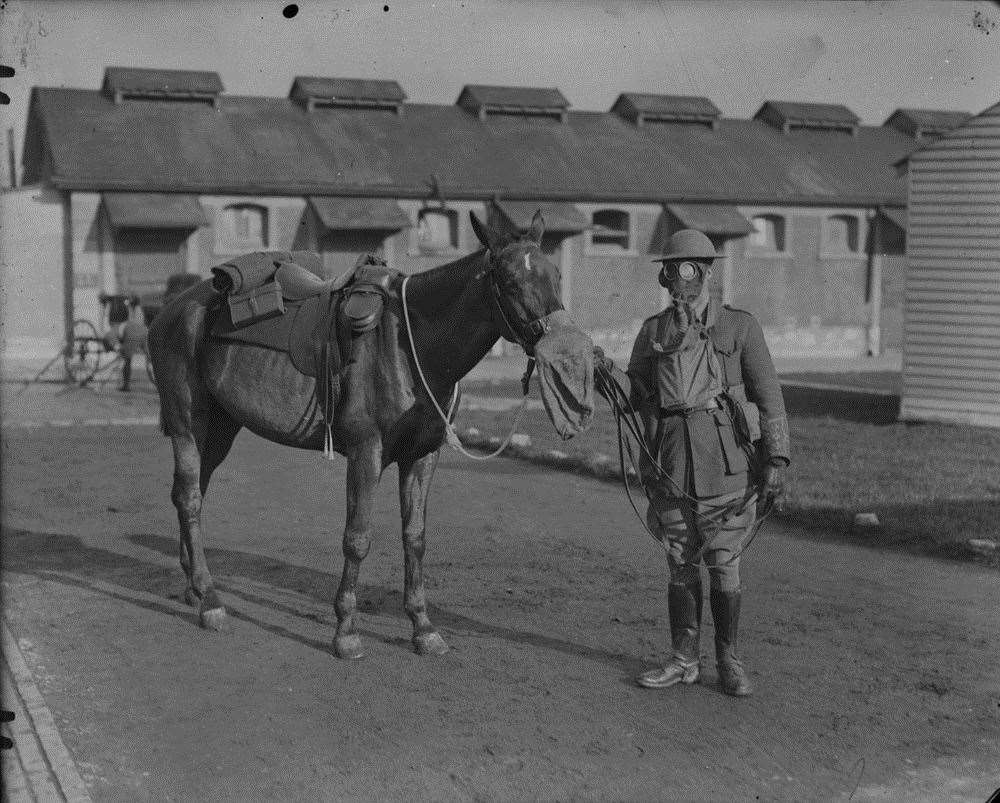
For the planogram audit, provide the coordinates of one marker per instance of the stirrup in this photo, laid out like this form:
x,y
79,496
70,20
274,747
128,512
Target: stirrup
x,y
677,670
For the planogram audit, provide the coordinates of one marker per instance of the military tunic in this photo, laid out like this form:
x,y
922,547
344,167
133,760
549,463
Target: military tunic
x,y
700,450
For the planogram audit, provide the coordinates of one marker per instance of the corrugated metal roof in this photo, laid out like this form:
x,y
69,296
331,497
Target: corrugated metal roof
x,y
346,89
711,218
141,80
558,217
140,210
359,213
257,145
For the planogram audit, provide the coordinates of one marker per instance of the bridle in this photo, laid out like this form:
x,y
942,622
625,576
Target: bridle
x,y
536,328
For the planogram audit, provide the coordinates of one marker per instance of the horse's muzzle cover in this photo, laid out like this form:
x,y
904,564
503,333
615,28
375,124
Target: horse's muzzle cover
x,y
565,361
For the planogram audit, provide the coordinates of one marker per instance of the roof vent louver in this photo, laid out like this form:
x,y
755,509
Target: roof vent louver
x,y
347,93
790,117
523,101
128,83
925,124
641,109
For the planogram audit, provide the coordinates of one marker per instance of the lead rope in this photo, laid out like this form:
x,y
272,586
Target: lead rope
x,y
615,396
451,436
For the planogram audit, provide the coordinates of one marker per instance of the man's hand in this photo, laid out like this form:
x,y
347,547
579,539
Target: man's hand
x,y
602,361
772,486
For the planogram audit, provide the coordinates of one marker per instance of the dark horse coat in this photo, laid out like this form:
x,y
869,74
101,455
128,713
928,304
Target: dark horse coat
x,y
384,412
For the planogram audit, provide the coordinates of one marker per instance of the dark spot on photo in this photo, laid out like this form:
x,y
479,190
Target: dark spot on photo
x,y
290,10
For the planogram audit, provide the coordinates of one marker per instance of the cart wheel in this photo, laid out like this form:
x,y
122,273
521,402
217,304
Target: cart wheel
x,y
82,357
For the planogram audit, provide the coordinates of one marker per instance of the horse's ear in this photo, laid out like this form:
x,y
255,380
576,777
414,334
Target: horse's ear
x,y
485,234
537,227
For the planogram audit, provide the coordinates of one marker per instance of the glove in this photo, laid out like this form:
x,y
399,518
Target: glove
x,y
772,486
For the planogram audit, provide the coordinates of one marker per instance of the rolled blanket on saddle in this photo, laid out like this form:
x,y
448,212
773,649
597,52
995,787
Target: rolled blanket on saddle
x,y
246,272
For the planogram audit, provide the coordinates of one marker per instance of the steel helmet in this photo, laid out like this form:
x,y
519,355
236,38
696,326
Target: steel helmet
x,y
688,244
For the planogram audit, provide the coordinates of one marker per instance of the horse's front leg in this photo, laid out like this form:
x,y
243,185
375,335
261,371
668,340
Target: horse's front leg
x,y
414,483
363,470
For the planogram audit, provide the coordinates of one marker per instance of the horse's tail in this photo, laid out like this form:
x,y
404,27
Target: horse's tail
x,y
175,338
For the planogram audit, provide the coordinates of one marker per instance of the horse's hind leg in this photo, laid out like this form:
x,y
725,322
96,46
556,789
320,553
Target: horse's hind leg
x,y
218,439
187,498
414,484
363,470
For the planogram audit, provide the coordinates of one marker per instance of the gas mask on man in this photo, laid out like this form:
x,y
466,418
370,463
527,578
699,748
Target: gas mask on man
x,y
684,279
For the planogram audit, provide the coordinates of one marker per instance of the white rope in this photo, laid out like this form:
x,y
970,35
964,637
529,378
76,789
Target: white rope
x,y
451,436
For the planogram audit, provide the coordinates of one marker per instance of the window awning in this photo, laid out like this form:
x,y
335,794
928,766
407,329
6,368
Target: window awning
x,y
353,214
897,216
711,218
153,210
559,217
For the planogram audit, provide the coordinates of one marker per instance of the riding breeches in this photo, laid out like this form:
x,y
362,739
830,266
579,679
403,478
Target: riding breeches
x,y
685,526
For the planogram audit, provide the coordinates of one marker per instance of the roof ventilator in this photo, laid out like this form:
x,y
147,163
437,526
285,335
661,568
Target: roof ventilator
x,y
640,109
133,83
347,93
790,117
518,101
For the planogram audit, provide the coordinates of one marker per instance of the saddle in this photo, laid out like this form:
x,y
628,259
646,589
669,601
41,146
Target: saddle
x,y
285,305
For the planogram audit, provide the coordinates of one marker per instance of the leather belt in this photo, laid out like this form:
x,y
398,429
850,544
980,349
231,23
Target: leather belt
x,y
687,411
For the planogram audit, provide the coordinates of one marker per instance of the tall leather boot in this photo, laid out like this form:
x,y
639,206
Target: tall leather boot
x,y
685,623
726,613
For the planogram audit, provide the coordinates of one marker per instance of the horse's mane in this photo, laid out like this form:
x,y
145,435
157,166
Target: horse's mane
x,y
445,280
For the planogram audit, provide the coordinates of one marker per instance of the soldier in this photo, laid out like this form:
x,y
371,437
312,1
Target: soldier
x,y
707,392
133,342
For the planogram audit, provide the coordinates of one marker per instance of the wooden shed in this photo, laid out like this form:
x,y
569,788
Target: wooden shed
x,y
951,340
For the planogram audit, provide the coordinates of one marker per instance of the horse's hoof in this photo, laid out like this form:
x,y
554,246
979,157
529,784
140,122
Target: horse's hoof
x,y
348,647
429,644
191,598
213,618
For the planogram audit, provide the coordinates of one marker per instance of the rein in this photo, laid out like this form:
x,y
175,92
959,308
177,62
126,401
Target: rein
x,y
624,413
451,436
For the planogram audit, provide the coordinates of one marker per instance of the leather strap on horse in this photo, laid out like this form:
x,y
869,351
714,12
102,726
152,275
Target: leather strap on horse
x,y
449,428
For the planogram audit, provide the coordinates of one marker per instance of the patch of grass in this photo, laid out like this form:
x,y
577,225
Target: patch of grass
x,y
932,486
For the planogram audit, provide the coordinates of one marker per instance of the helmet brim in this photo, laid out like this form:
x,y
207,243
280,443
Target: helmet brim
x,y
697,258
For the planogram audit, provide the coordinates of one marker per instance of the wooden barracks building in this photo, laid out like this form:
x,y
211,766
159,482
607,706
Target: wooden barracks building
x,y
160,171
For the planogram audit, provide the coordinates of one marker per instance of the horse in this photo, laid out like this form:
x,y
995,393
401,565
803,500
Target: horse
x,y
386,401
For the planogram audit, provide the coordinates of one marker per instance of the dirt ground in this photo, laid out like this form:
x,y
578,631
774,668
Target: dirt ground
x,y
876,673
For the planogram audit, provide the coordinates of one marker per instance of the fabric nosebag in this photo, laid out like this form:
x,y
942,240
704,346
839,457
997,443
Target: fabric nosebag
x,y
564,358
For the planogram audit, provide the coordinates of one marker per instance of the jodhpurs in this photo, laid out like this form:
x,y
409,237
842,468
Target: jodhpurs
x,y
684,525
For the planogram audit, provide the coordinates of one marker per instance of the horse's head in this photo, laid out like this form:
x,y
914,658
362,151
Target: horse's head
x,y
524,297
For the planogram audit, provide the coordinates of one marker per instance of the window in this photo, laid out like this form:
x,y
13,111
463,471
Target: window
x,y
242,228
611,231
840,234
768,234
437,230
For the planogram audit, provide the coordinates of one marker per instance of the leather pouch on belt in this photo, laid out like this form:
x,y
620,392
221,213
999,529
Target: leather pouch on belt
x,y
256,305
736,460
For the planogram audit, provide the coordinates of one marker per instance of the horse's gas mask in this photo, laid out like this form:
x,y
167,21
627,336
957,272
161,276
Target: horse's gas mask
x,y
684,279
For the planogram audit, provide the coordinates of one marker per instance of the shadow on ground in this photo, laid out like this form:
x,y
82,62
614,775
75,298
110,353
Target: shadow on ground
x,y
865,408
66,559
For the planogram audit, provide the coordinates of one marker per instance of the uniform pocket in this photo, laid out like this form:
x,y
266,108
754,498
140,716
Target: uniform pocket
x,y
735,459
729,356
